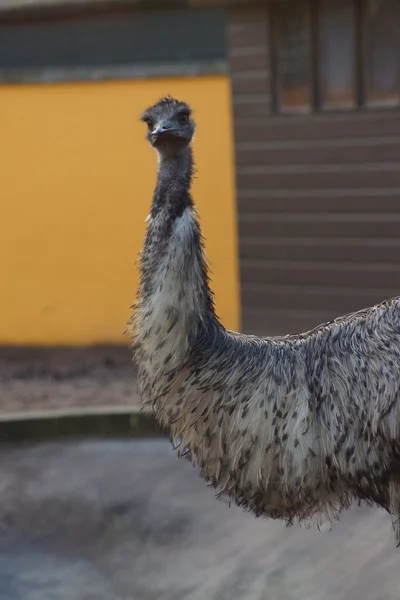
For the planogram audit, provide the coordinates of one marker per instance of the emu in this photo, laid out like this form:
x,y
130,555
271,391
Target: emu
x,y
294,427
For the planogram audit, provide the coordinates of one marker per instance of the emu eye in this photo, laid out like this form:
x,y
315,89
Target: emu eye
x,y
150,125
183,119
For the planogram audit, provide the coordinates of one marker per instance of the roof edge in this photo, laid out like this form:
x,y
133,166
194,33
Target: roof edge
x,y
17,9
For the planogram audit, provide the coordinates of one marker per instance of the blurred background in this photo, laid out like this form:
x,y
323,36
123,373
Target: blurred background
x,y
297,151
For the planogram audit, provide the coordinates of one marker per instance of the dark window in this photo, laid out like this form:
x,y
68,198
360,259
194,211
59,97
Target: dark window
x,y
382,52
335,54
113,40
292,34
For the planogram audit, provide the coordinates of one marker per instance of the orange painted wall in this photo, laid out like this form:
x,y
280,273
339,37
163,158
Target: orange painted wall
x,y
76,184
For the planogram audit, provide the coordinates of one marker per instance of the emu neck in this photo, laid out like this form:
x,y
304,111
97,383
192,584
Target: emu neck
x,y
172,193
175,301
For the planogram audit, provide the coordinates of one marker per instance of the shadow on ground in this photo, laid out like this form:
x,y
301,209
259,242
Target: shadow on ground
x,y
127,520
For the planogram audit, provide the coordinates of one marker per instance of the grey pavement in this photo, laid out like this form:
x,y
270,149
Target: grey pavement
x,y
127,520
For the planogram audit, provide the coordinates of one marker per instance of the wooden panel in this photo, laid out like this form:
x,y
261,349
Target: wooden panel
x,y
348,152
247,34
248,57
318,199
277,321
326,177
323,225
352,275
315,127
256,104
247,28
338,300
251,81
351,250
360,200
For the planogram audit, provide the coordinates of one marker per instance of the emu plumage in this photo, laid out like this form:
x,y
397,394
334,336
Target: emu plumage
x,y
294,427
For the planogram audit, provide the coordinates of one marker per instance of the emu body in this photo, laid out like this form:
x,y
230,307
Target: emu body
x,y
295,427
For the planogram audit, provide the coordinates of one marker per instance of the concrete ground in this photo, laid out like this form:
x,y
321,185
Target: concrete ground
x,y
127,520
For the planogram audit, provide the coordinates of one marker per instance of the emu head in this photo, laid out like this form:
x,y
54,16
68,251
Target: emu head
x,y
169,124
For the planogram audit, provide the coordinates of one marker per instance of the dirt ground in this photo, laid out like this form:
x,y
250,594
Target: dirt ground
x,y
36,379
128,520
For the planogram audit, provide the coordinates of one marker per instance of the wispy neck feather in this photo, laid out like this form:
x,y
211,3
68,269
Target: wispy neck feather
x,y
175,302
174,179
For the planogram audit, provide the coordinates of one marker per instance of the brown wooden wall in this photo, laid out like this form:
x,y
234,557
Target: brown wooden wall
x,y
318,195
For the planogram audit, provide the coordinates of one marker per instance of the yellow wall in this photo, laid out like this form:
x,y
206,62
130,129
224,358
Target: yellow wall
x,y
76,184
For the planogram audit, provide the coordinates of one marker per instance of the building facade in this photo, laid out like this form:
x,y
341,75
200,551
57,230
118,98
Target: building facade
x,y
316,98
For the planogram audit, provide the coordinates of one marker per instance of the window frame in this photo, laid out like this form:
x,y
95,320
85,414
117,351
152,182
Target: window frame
x,y
276,78
316,92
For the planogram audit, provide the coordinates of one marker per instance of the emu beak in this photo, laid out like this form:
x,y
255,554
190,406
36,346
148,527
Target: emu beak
x,y
162,128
